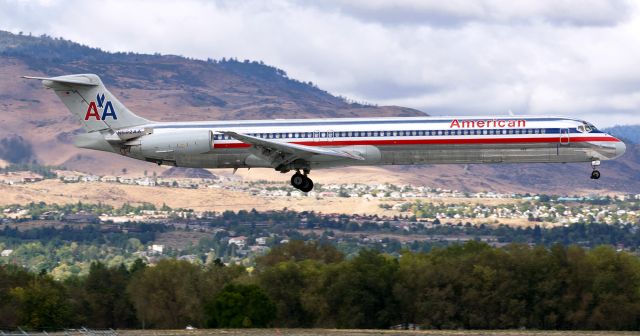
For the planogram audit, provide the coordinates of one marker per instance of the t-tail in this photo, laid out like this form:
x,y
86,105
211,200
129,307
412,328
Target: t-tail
x,y
89,100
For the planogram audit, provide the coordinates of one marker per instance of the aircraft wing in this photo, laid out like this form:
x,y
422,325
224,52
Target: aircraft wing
x,y
299,151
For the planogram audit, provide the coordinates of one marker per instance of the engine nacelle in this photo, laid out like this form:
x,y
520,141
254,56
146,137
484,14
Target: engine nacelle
x,y
171,146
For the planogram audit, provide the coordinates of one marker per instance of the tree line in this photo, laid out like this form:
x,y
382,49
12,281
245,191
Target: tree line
x,y
470,286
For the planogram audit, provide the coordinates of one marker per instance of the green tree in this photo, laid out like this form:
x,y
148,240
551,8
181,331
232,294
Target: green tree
x,y
43,304
240,306
290,286
11,277
298,250
359,293
168,295
107,302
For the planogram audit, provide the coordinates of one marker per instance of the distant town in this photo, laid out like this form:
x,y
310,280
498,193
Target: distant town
x,y
64,238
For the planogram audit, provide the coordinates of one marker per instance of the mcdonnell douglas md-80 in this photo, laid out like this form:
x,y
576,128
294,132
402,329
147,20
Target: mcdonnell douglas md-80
x,y
302,145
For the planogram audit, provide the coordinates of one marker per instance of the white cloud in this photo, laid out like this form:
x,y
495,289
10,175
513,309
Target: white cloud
x,y
458,12
577,58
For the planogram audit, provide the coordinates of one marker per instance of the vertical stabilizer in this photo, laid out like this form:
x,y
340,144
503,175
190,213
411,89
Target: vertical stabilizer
x,y
90,101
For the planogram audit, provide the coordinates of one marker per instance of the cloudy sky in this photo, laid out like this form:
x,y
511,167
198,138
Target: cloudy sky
x,y
578,58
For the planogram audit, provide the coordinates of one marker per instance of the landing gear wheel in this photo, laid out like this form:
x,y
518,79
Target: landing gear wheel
x,y
595,174
298,180
307,186
301,182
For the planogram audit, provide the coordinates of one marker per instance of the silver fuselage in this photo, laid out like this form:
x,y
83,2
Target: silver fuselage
x,y
380,141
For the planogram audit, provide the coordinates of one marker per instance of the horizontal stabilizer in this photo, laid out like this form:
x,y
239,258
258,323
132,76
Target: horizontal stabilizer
x,y
68,80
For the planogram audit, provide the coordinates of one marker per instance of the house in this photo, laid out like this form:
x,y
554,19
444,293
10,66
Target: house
x,y
70,178
147,182
192,258
90,178
156,248
32,178
81,217
239,241
6,253
109,179
126,180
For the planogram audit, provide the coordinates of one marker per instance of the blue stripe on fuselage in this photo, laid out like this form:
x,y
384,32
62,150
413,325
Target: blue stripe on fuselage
x,y
334,122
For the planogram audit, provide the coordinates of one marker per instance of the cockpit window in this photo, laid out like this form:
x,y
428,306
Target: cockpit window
x,y
586,128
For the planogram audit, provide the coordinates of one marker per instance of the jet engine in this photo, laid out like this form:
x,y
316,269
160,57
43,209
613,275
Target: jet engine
x,y
170,147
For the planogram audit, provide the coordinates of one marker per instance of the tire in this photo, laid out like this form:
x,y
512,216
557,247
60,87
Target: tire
x,y
307,186
298,180
595,174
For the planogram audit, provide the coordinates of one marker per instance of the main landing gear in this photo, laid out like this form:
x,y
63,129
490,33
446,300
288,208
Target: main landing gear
x,y
301,181
595,174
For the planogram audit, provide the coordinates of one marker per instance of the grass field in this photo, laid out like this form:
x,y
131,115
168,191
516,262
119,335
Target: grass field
x,y
55,191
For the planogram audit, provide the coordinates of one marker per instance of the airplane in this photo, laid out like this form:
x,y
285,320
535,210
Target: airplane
x,y
303,145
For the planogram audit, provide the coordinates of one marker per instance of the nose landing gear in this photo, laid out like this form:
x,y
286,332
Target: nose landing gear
x,y
595,174
301,182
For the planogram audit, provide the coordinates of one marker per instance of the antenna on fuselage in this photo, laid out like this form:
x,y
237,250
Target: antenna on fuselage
x,y
510,113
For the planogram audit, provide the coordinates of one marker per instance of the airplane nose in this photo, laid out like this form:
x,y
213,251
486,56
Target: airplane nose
x,y
620,148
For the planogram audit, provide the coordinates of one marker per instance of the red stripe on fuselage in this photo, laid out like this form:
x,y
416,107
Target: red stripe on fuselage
x,y
457,141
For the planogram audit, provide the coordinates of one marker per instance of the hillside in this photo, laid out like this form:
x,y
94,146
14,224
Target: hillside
x,y
34,125
631,134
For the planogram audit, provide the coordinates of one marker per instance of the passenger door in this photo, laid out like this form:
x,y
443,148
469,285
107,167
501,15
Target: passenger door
x,y
565,139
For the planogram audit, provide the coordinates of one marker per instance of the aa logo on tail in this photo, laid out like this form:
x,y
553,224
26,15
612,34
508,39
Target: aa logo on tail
x,y
107,109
